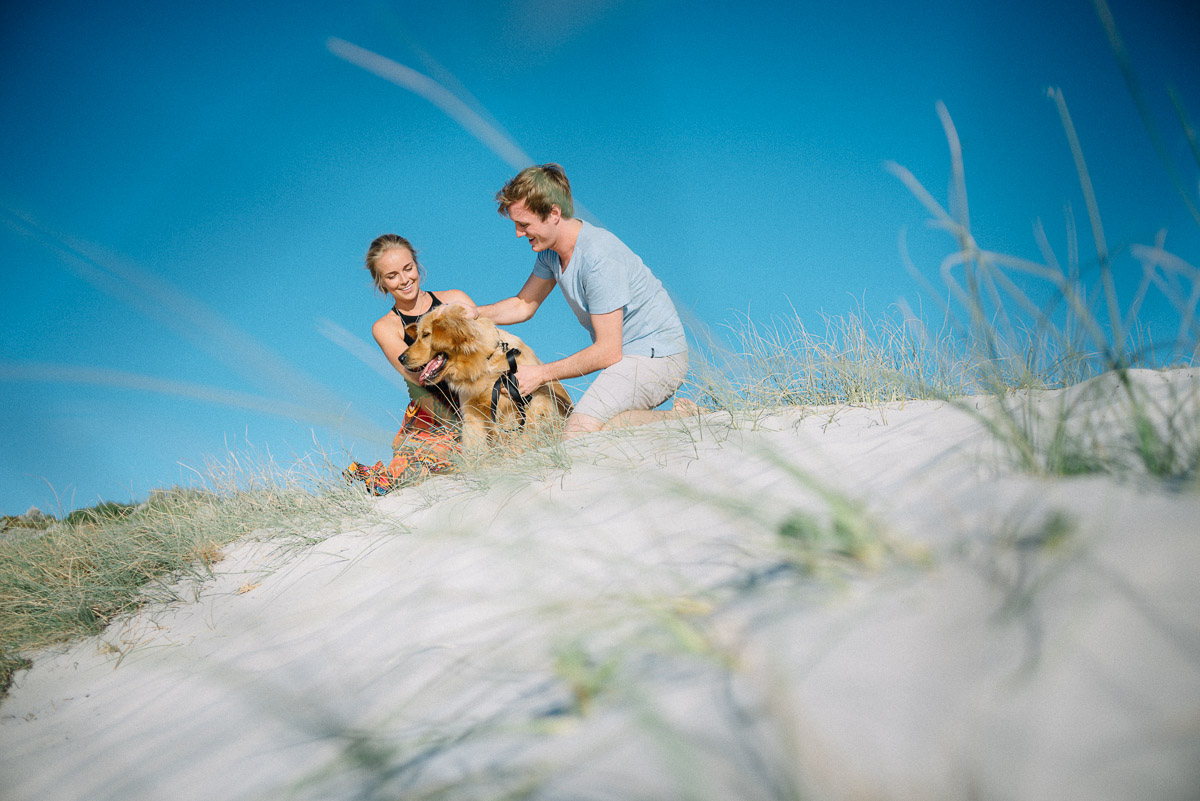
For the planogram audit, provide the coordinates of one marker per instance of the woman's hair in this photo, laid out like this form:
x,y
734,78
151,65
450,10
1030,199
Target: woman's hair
x,y
383,244
541,187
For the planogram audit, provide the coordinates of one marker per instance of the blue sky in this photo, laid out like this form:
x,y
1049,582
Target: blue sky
x,y
187,190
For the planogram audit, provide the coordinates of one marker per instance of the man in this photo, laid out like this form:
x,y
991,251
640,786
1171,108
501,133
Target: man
x,y
637,340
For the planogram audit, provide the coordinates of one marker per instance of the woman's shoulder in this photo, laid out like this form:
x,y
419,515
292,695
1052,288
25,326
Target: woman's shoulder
x,y
388,323
452,295
388,320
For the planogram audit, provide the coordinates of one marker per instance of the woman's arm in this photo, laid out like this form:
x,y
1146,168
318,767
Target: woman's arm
x,y
390,339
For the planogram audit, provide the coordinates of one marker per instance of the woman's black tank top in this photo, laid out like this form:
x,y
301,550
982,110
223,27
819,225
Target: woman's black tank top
x,y
439,390
411,319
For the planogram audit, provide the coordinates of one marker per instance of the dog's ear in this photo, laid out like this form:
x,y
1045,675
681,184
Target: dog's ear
x,y
457,327
410,331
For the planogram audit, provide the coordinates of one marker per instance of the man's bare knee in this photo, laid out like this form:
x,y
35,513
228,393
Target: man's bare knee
x,y
581,424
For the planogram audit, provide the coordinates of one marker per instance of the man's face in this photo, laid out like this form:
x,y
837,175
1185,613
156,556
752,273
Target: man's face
x,y
542,234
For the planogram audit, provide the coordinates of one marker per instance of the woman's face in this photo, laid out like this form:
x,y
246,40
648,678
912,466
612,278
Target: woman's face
x,y
399,274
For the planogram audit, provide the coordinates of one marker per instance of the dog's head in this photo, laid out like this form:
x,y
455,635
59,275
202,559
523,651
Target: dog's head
x,y
442,340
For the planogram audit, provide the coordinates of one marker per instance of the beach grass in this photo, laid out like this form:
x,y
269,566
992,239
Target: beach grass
x,y
856,360
1085,336
70,578
994,341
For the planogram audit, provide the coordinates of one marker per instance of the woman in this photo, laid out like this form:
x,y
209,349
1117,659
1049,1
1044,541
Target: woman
x,y
393,264
426,440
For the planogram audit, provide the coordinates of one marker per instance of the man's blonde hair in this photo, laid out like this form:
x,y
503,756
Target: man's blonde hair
x,y
541,187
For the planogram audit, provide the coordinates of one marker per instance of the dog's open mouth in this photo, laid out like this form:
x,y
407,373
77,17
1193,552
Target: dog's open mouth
x,y
432,369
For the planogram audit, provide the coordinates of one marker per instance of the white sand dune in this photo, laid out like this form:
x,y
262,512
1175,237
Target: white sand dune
x,y
636,626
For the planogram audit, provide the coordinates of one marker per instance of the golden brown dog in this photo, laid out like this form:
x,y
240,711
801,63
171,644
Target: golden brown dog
x,y
471,356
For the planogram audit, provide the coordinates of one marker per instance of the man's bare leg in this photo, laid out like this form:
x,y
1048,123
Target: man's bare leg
x,y
637,417
581,424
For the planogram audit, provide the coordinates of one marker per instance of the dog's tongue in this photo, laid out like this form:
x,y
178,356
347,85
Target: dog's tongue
x,y
434,365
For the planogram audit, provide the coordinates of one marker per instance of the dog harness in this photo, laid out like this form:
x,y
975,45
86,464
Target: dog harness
x,y
508,383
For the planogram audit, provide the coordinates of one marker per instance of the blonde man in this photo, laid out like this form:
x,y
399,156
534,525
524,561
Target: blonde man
x,y
638,344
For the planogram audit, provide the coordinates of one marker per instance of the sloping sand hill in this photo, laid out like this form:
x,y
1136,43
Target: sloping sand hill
x,y
835,603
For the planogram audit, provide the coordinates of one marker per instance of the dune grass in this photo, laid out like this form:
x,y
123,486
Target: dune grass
x,y
523,454
994,341
1013,343
858,359
73,577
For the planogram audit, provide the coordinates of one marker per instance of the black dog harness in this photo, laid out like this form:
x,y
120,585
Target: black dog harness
x,y
508,383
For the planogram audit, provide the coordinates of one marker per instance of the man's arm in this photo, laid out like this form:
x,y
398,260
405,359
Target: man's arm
x,y
604,352
520,308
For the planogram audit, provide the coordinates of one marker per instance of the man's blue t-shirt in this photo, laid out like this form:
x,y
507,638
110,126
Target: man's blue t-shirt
x,y
604,275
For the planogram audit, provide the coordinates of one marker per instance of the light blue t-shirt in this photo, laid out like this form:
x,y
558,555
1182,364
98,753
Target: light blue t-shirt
x,y
604,275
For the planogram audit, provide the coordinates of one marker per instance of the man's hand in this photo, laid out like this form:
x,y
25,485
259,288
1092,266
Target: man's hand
x,y
472,311
530,377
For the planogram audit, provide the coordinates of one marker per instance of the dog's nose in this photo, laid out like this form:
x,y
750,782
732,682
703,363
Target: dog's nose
x,y
404,358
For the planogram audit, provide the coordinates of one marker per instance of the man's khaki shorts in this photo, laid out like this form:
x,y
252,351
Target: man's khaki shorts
x,y
635,382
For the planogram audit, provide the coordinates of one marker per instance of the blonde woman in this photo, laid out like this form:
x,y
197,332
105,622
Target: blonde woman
x,y
427,437
392,262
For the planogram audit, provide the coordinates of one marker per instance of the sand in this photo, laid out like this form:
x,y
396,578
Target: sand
x,y
639,617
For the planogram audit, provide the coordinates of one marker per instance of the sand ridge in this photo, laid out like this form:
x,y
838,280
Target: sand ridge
x,y
645,624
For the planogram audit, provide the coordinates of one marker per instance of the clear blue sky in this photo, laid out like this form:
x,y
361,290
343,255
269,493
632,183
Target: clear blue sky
x,y
187,189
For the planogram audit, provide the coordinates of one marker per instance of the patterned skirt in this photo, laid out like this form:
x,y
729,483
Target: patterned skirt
x,y
422,447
